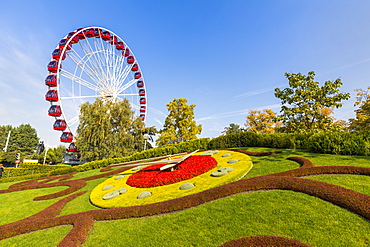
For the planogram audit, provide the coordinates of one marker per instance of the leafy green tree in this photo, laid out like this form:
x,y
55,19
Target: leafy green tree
x,y
262,121
362,120
233,128
179,122
303,102
23,140
53,155
109,130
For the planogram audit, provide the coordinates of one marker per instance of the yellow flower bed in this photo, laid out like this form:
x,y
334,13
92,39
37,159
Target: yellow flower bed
x,y
167,192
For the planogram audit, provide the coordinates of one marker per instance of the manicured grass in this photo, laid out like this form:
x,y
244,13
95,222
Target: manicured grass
x,y
82,203
47,237
18,205
281,213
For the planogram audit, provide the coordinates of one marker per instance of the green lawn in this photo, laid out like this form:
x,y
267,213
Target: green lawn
x,y
282,213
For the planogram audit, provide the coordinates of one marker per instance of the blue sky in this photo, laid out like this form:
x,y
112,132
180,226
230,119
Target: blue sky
x,y
227,57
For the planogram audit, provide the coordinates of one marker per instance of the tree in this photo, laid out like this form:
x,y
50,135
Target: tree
x,y
23,138
109,130
262,121
179,122
362,120
233,128
22,143
304,101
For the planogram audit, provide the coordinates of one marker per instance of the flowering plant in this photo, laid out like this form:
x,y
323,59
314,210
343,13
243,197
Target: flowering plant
x,y
152,176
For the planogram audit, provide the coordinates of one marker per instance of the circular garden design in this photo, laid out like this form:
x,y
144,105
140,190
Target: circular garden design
x,y
133,191
148,184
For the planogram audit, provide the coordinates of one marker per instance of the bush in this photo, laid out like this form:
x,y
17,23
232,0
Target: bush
x,y
61,171
338,143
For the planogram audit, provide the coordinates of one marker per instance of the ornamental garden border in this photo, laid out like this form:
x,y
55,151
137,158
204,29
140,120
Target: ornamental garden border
x,y
82,222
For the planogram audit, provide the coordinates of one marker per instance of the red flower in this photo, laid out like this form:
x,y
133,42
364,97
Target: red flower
x,y
152,176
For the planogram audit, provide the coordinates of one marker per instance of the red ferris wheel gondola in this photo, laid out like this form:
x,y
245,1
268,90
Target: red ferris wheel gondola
x,y
135,67
137,75
63,43
113,40
90,32
140,84
105,35
51,80
60,124
72,148
73,40
53,66
52,96
142,92
120,46
57,53
130,59
66,137
55,111
143,108
126,53
97,33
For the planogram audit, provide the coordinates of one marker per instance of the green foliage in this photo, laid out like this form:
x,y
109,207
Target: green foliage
x,y
338,143
331,142
109,130
233,128
30,170
179,122
23,139
362,120
244,139
262,121
306,105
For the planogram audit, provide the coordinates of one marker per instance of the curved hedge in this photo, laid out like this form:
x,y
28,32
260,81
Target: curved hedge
x,y
82,222
346,143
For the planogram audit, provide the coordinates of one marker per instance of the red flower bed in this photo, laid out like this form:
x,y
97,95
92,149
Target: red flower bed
x,y
151,176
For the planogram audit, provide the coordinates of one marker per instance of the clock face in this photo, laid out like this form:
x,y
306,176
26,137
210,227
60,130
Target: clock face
x,y
150,184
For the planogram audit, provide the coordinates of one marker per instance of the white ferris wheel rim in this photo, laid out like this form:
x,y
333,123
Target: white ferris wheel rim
x,y
108,74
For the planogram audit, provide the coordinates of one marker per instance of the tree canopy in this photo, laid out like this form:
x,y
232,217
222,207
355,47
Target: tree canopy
x,y
179,122
304,103
262,121
232,128
109,130
362,120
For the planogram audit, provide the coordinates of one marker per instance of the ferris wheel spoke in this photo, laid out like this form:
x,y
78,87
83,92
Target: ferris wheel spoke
x,y
73,121
128,94
94,56
79,80
127,85
77,97
79,61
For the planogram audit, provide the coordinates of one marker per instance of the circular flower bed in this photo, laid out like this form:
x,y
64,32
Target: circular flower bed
x,y
152,176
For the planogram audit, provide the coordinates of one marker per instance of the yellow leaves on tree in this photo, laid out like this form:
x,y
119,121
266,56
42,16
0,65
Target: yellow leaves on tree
x,y
262,121
179,122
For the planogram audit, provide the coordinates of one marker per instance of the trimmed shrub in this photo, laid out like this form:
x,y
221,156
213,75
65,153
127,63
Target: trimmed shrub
x,y
338,143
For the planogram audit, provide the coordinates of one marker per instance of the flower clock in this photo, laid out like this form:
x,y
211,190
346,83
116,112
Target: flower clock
x,y
146,184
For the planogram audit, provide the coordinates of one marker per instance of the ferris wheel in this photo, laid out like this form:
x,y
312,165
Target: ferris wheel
x,y
90,63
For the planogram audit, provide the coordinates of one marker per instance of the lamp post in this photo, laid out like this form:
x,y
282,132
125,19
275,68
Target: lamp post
x,y
7,142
